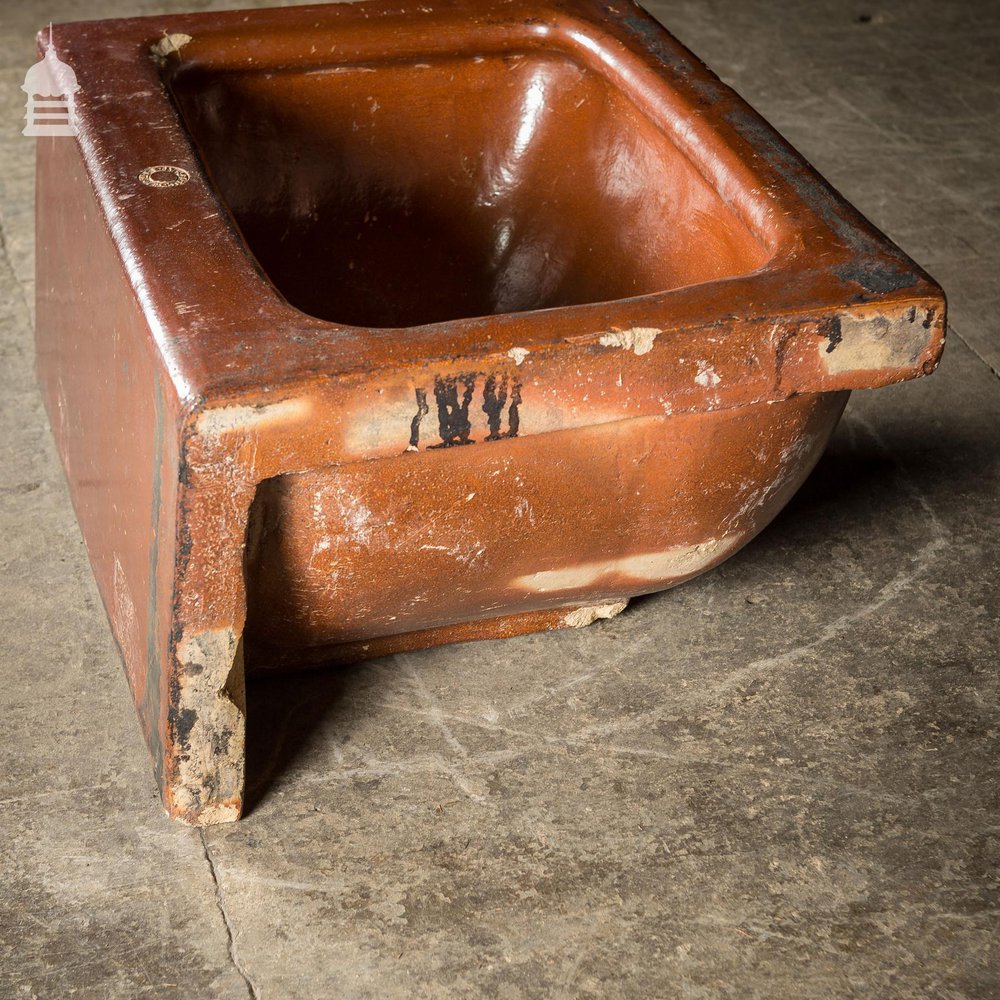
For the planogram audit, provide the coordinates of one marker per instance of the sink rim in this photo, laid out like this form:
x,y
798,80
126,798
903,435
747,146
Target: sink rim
x,y
214,310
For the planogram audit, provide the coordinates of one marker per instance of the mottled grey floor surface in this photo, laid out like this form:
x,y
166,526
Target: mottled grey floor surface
x,y
776,781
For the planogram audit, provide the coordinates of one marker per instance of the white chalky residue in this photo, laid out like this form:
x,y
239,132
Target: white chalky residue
x,y
358,521
706,375
522,509
517,354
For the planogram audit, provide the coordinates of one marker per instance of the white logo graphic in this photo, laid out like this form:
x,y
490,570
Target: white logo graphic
x,y
50,85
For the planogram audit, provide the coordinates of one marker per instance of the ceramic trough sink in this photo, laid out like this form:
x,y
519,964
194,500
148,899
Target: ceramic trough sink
x,y
366,328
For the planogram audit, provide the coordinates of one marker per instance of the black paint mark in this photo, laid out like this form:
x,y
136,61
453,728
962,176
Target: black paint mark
x,y
495,399
513,414
453,416
931,313
221,740
182,721
454,393
422,409
831,330
878,277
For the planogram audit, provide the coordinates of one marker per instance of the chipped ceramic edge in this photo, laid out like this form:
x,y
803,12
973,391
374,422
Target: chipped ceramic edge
x,y
874,342
638,339
207,784
582,617
168,44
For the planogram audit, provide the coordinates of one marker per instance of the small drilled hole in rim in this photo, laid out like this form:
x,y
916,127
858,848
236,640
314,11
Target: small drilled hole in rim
x,y
164,176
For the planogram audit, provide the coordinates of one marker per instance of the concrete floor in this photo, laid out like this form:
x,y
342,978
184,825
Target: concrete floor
x,y
776,781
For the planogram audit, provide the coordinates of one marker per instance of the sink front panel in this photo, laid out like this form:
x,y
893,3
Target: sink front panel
x,y
459,534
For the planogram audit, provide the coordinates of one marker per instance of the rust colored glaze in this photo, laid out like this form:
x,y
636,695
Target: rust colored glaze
x,y
364,328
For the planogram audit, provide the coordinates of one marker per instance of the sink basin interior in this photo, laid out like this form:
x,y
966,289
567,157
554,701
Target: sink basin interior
x,y
407,191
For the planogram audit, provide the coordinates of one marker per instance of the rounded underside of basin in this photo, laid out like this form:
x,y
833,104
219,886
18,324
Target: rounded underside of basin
x,y
517,526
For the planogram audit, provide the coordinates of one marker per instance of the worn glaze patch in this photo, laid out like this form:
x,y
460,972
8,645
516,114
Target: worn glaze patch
x,y
244,419
646,567
126,625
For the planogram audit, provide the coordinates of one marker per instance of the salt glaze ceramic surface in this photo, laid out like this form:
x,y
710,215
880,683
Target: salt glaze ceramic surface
x,y
365,328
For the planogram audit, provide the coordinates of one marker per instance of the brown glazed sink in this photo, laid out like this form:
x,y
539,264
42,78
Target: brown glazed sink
x,y
369,327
